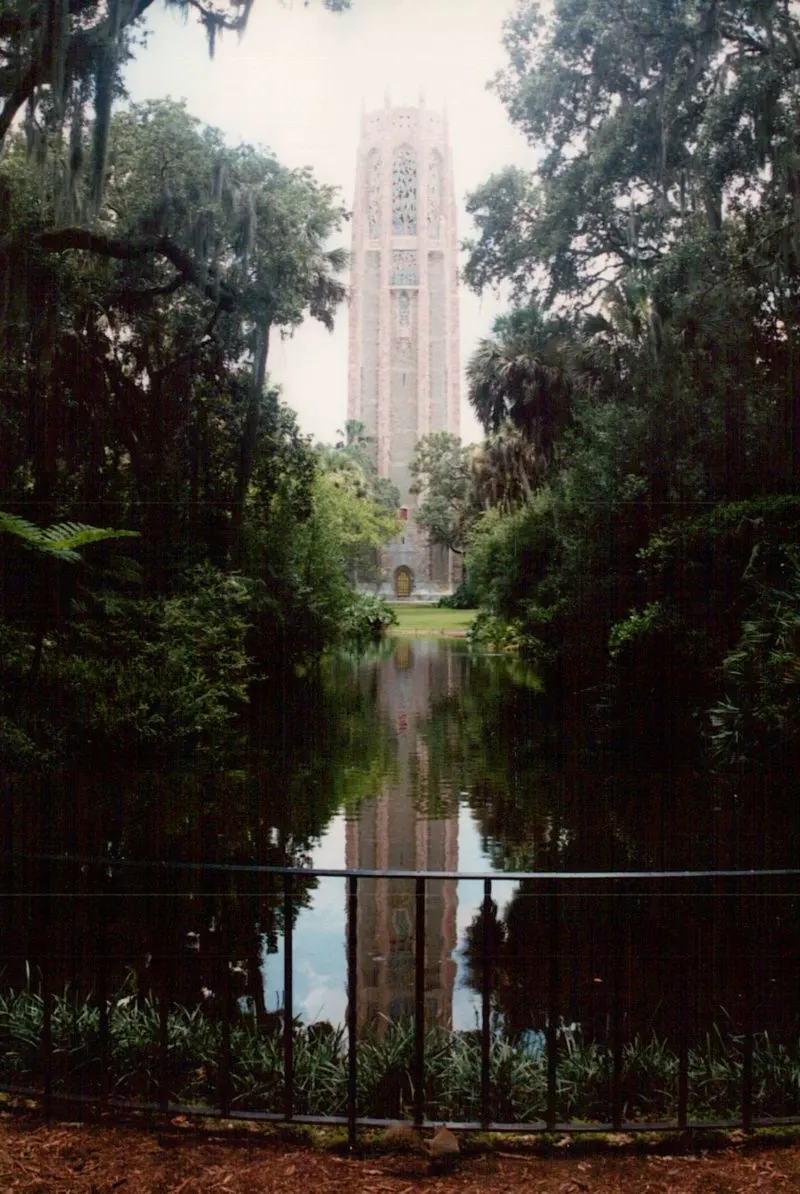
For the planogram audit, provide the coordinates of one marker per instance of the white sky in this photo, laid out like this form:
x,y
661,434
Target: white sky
x,y
295,83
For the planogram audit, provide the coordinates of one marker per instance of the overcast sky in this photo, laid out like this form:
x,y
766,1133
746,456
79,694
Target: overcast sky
x,y
295,82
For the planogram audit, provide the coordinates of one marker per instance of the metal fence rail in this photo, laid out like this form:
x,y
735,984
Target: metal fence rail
x,y
552,887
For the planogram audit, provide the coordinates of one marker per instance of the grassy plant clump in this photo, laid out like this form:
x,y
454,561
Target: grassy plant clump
x,y
130,1065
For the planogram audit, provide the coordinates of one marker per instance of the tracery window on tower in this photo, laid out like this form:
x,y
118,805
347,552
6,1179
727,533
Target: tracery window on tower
x,y
374,194
434,194
404,268
404,192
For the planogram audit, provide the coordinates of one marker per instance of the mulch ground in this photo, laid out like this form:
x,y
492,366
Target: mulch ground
x,y
98,1158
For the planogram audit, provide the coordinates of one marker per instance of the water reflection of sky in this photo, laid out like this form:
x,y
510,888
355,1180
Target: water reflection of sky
x,y
320,931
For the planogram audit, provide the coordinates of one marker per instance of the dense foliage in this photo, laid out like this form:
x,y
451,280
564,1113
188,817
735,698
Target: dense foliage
x,y
650,362
135,396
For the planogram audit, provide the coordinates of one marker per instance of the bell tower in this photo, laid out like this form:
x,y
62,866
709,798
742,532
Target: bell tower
x,y
404,357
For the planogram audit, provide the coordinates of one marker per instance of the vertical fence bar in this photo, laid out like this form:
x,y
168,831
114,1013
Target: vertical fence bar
x,y
47,1039
616,1066
8,869
747,937
227,1000
46,879
163,1040
552,1008
486,1007
616,1022
352,1008
102,991
747,1074
419,1003
683,1039
288,998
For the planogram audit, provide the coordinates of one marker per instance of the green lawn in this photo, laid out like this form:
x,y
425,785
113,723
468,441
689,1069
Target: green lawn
x,y
429,619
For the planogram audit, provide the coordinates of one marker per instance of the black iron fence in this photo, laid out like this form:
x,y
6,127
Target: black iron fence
x,y
620,948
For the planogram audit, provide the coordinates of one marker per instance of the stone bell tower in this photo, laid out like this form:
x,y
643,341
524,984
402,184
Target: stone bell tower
x,y
404,360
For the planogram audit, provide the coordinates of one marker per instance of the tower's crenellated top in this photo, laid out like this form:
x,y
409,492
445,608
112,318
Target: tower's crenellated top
x,y
387,124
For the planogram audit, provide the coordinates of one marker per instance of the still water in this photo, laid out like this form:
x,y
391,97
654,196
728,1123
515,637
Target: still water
x,y
418,755
416,817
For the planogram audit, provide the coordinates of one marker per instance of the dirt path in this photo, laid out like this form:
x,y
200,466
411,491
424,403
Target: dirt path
x,y
36,1158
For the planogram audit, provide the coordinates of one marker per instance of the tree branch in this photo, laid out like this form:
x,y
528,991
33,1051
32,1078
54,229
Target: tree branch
x,y
19,95
206,338
64,240
209,14
83,45
138,299
13,24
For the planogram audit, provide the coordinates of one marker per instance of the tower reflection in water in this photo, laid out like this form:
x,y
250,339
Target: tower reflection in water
x,y
395,832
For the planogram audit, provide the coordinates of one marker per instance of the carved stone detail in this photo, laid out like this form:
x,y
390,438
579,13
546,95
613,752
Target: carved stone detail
x,y
434,195
403,351
374,194
404,312
404,268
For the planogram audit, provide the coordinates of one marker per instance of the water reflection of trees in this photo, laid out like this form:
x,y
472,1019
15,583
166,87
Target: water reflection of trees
x,y
660,959
311,751
656,958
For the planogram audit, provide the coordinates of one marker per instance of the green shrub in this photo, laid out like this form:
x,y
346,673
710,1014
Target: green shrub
x,y
638,625
760,710
130,673
463,597
366,618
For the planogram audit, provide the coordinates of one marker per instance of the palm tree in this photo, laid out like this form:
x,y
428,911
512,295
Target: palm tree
x,y
627,326
506,469
522,376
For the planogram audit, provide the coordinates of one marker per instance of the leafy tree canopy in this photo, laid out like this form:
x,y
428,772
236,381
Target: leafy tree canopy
x,y
652,120
361,507
442,472
124,357
60,59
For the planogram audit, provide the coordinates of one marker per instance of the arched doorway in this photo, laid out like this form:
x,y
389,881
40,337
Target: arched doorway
x,y
403,581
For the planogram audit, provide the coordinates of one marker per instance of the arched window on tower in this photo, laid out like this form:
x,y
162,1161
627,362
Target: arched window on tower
x,y
374,194
404,192
434,195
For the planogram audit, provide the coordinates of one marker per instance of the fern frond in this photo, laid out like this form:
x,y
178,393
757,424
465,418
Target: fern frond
x,y
19,527
62,540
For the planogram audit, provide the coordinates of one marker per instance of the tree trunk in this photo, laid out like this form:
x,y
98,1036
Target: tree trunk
x,y
249,440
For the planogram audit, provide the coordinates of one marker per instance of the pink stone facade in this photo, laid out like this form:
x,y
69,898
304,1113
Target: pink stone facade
x,y
404,357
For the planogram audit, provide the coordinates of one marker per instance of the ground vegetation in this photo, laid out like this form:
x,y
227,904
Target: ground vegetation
x,y
518,1065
